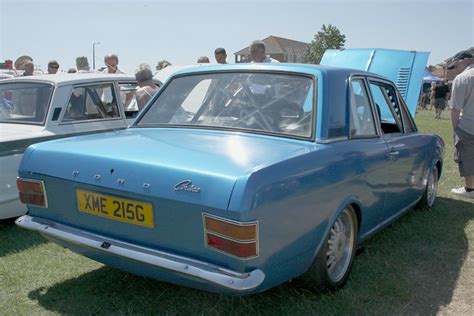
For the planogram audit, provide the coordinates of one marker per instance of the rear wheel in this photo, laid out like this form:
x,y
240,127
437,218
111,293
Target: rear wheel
x,y
333,264
429,197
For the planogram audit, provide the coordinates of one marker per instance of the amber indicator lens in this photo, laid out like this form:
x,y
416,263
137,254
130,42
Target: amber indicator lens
x,y
28,186
234,231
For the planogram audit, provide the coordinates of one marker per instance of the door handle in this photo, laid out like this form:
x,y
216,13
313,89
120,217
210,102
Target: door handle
x,y
393,155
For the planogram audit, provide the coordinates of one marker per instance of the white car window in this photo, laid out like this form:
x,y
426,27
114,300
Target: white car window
x,y
362,119
26,103
92,102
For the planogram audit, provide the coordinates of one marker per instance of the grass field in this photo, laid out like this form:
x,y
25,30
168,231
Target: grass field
x,y
422,264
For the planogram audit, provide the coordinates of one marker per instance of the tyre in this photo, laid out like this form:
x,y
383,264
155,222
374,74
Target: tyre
x,y
429,196
332,266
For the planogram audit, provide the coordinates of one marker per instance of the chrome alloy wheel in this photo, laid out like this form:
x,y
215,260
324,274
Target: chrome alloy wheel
x,y
340,246
432,187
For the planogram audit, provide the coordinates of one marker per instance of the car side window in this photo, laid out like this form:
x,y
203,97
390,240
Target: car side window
x,y
92,102
408,121
387,107
127,95
362,119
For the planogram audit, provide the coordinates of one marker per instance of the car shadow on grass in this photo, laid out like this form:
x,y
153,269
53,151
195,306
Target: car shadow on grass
x,y
15,239
411,267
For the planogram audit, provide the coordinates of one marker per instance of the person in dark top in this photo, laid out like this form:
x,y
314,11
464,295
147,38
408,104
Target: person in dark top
x,y
29,69
440,95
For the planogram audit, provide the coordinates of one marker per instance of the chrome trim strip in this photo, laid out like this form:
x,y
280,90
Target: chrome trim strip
x,y
332,140
226,278
371,59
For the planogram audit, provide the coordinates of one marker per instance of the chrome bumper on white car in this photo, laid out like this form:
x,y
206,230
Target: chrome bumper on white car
x,y
227,278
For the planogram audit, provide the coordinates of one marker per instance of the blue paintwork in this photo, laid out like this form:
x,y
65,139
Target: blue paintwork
x,y
387,63
294,188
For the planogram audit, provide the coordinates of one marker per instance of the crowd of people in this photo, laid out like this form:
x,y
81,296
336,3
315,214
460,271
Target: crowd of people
x,y
144,74
257,55
461,99
436,98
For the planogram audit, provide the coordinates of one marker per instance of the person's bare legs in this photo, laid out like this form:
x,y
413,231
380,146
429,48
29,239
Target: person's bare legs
x,y
469,182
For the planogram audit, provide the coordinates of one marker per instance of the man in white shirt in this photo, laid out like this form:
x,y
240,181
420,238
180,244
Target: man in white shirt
x,y
111,61
462,99
257,53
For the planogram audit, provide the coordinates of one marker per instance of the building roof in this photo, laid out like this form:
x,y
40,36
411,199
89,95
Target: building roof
x,y
278,45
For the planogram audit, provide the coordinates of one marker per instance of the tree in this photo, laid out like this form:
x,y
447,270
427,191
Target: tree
x,y
328,37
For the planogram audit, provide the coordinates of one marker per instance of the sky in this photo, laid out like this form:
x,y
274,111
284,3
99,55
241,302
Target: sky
x,y
181,31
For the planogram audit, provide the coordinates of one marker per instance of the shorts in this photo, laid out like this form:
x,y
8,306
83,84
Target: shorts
x,y
464,152
439,103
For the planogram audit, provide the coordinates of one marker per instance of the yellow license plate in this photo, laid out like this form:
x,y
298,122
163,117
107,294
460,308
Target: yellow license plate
x,y
124,210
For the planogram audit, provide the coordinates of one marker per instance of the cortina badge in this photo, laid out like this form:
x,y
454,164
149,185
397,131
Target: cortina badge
x,y
187,185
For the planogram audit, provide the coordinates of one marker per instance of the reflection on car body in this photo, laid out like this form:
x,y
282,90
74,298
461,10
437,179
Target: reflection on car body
x,y
254,175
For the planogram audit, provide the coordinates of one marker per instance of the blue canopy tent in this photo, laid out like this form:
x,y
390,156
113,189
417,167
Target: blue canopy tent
x,y
428,77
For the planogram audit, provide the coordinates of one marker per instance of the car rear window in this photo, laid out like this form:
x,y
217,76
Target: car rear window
x,y
261,102
26,103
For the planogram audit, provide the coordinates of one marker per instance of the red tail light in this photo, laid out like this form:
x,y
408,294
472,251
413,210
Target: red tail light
x,y
231,237
32,192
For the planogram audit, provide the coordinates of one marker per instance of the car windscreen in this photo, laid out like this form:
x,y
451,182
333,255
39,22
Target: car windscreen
x,y
25,103
263,102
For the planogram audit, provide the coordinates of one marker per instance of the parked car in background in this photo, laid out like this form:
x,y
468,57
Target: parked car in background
x,y
7,74
39,108
237,178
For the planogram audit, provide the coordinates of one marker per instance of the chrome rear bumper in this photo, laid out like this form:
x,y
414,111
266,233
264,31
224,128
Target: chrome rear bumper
x,y
220,276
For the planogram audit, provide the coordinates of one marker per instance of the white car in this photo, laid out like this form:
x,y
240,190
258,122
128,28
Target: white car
x,y
40,108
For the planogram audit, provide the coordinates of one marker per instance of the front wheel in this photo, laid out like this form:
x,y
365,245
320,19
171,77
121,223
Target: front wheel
x,y
333,264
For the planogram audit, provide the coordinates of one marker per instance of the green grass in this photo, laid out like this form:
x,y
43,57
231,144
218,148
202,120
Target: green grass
x,y
422,264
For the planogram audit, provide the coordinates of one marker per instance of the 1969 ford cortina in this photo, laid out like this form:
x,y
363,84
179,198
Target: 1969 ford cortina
x,y
238,178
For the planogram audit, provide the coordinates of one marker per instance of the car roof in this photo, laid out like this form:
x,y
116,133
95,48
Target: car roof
x,y
66,78
286,67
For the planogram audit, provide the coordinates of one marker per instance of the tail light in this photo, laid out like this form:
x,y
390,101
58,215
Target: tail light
x,y
32,192
231,237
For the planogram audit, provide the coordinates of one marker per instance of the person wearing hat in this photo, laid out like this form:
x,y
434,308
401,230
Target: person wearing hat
x,y
462,101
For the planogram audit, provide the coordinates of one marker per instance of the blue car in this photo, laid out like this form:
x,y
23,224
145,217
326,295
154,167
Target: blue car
x,y
237,178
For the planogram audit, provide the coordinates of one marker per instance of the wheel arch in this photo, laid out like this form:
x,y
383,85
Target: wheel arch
x,y
355,204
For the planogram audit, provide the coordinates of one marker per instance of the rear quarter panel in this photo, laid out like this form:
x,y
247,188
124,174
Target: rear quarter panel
x,y
297,200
